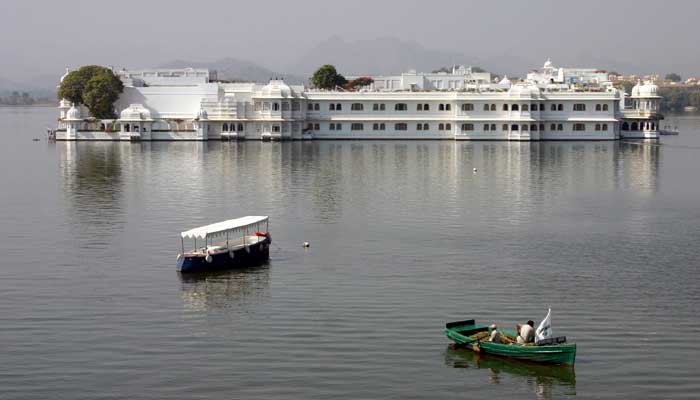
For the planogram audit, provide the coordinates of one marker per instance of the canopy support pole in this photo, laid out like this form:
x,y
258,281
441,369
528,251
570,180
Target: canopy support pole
x,y
182,243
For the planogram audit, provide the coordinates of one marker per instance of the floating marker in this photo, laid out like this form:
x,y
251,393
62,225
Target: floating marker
x,y
306,244
474,170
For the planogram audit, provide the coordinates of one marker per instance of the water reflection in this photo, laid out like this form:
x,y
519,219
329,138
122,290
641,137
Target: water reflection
x,y
239,288
545,381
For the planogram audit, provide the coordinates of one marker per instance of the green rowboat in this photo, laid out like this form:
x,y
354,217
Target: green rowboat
x,y
475,337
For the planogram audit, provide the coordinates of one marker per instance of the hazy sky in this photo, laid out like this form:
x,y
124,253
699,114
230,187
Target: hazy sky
x,y
43,37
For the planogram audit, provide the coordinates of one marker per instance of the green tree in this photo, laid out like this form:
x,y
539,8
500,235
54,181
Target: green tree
x,y
673,77
94,86
327,77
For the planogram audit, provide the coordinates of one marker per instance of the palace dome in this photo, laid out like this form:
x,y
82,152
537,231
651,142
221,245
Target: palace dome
x,y
135,112
548,63
647,89
277,88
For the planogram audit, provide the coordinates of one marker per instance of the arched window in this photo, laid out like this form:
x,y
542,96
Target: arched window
x,y
541,107
514,127
554,107
493,107
605,127
375,126
635,127
441,126
441,107
560,127
382,107
331,107
533,127
553,127
419,127
448,127
448,107
275,106
524,128
240,128
382,126
467,107
597,126
400,107
486,127
486,107
653,126
309,106
419,107
605,107
331,127
505,107
357,107
338,107
426,107
426,127
493,127
400,126
598,107
317,107
467,127
275,128
514,107
127,128
504,127
560,107
526,107
338,126
625,126
224,128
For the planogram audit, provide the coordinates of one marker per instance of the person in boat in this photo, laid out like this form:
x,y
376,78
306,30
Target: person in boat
x,y
526,333
495,334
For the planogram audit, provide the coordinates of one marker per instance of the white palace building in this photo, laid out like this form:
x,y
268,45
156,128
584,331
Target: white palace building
x,y
551,104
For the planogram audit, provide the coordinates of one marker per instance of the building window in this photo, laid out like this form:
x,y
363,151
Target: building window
x,y
224,128
579,107
382,107
318,127
309,126
448,107
400,126
597,126
426,127
634,126
553,127
560,107
486,107
541,127
426,107
605,107
419,127
514,127
467,127
468,107
526,107
533,107
579,127
331,107
318,107
285,106
493,107
493,127
598,107
514,107
338,107
441,107
441,127
295,105
554,107
375,126
357,127
240,128
331,127
275,106
275,128
505,107
605,127
486,127
309,107
524,128
504,127
533,127
375,107
419,107
266,106
401,107
357,107
382,127
541,107
448,127
126,128
560,127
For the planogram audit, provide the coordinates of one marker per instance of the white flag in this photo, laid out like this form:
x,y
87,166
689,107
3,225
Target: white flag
x,y
544,330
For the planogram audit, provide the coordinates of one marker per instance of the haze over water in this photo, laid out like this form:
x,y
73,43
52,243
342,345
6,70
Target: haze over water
x,y
404,237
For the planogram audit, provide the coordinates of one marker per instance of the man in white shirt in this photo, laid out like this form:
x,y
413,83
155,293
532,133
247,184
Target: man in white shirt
x,y
526,333
495,334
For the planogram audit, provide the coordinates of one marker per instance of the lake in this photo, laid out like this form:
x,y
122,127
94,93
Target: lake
x,y
404,236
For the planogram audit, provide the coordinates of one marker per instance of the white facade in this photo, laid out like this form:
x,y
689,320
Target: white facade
x,y
157,106
461,77
549,74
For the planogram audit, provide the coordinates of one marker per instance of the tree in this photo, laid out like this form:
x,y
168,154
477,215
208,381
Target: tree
x,y
327,77
359,82
673,77
94,86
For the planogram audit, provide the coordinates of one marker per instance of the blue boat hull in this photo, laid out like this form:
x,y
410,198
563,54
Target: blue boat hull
x,y
251,255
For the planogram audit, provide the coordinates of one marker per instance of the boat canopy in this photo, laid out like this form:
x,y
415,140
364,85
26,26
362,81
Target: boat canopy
x,y
223,227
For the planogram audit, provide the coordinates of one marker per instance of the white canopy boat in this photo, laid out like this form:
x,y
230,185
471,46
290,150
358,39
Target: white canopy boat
x,y
228,244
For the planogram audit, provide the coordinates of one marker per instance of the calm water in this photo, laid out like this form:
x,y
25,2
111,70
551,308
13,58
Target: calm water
x,y
404,237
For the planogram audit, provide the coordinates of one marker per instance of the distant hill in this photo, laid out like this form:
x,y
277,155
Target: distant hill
x,y
385,55
235,70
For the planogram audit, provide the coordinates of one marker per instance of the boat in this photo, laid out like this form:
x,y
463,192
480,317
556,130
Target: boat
x,y
475,337
667,130
239,242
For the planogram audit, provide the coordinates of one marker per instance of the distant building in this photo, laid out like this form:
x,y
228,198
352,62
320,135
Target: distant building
x,y
551,74
461,77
